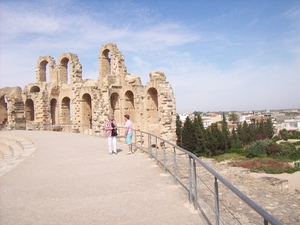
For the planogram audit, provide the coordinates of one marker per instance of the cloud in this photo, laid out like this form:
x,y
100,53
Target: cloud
x,y
293,13
60,29
210,66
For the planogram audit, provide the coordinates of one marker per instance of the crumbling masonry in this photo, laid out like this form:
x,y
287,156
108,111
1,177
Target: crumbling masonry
x,y
62,97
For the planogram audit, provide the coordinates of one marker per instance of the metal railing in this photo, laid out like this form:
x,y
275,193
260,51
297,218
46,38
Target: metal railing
x,y
184,168
189,172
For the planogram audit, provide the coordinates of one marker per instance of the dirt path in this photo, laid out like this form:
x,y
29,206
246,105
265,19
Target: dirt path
x,y
293,179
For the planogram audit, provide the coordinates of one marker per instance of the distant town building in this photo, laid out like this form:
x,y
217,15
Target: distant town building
x,y
290,124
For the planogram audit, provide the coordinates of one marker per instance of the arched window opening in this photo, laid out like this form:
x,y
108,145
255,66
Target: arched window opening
x,y
129,105
44,70
115,106
86,110
66,111
106,63
3,110
35,89
54,114
29,110
152,105
64,71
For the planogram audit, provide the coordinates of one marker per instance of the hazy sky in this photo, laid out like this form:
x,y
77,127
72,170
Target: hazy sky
x,y
218,55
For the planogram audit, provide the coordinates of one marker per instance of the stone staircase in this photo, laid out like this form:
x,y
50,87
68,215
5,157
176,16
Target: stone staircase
x,y
13,150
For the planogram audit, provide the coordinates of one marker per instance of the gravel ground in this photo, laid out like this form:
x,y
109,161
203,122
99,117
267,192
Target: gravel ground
x,y
71,179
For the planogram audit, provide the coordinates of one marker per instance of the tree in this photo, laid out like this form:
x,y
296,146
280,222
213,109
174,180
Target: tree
x,y
211,143
196,113
200,136
178,131
260,131
241,133
188,135
234,140
269,128
248,134
217,138
225,133
233,118
284,134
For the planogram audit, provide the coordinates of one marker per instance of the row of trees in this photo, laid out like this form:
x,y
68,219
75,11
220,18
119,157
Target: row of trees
x,y
217,139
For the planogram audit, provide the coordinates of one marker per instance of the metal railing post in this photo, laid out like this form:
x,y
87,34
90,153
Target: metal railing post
x,y
265,222
156,154
142,142
195,185
190,180
149,146
175,166
141,138
217,202
165,166
135,142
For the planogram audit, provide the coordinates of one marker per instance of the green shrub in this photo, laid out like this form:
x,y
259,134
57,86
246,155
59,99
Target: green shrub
x,y
229,156
272,149
276,138
257,149
295,135
288,150
271,170
237,151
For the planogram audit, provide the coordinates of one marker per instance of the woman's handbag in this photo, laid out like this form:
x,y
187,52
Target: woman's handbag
x,y
114,132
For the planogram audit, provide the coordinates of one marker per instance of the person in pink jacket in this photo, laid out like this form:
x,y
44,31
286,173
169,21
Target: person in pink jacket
x,y
111,131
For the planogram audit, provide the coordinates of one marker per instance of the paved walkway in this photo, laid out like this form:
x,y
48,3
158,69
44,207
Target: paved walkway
x,y
71,179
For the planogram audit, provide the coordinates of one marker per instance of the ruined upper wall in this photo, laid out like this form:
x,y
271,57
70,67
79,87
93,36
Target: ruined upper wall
x,y
11,106
59,73
112,69
75,69
41,73
12,93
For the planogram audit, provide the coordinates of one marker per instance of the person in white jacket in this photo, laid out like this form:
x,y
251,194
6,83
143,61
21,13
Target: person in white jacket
x,y
111,131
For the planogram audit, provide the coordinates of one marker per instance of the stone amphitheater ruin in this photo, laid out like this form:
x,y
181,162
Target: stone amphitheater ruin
x,y
61,97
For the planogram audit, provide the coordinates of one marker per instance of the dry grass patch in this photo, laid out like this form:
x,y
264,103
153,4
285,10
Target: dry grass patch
x,y
266,165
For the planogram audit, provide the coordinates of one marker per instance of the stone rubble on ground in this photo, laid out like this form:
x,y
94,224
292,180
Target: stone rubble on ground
x,y
270,194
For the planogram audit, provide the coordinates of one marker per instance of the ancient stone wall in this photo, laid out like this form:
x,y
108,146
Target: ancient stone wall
x,y
11,108
61,97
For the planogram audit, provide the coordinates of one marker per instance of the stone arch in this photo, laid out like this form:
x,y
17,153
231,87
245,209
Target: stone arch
x,y
86,107
29,110
152,106
115,106
129,105
64,72
65,111
106,62
44,69
53,111
35,89
70,70
112,68
3,110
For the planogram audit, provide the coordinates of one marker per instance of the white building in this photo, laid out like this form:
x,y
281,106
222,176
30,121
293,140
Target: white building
x,y
291,124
